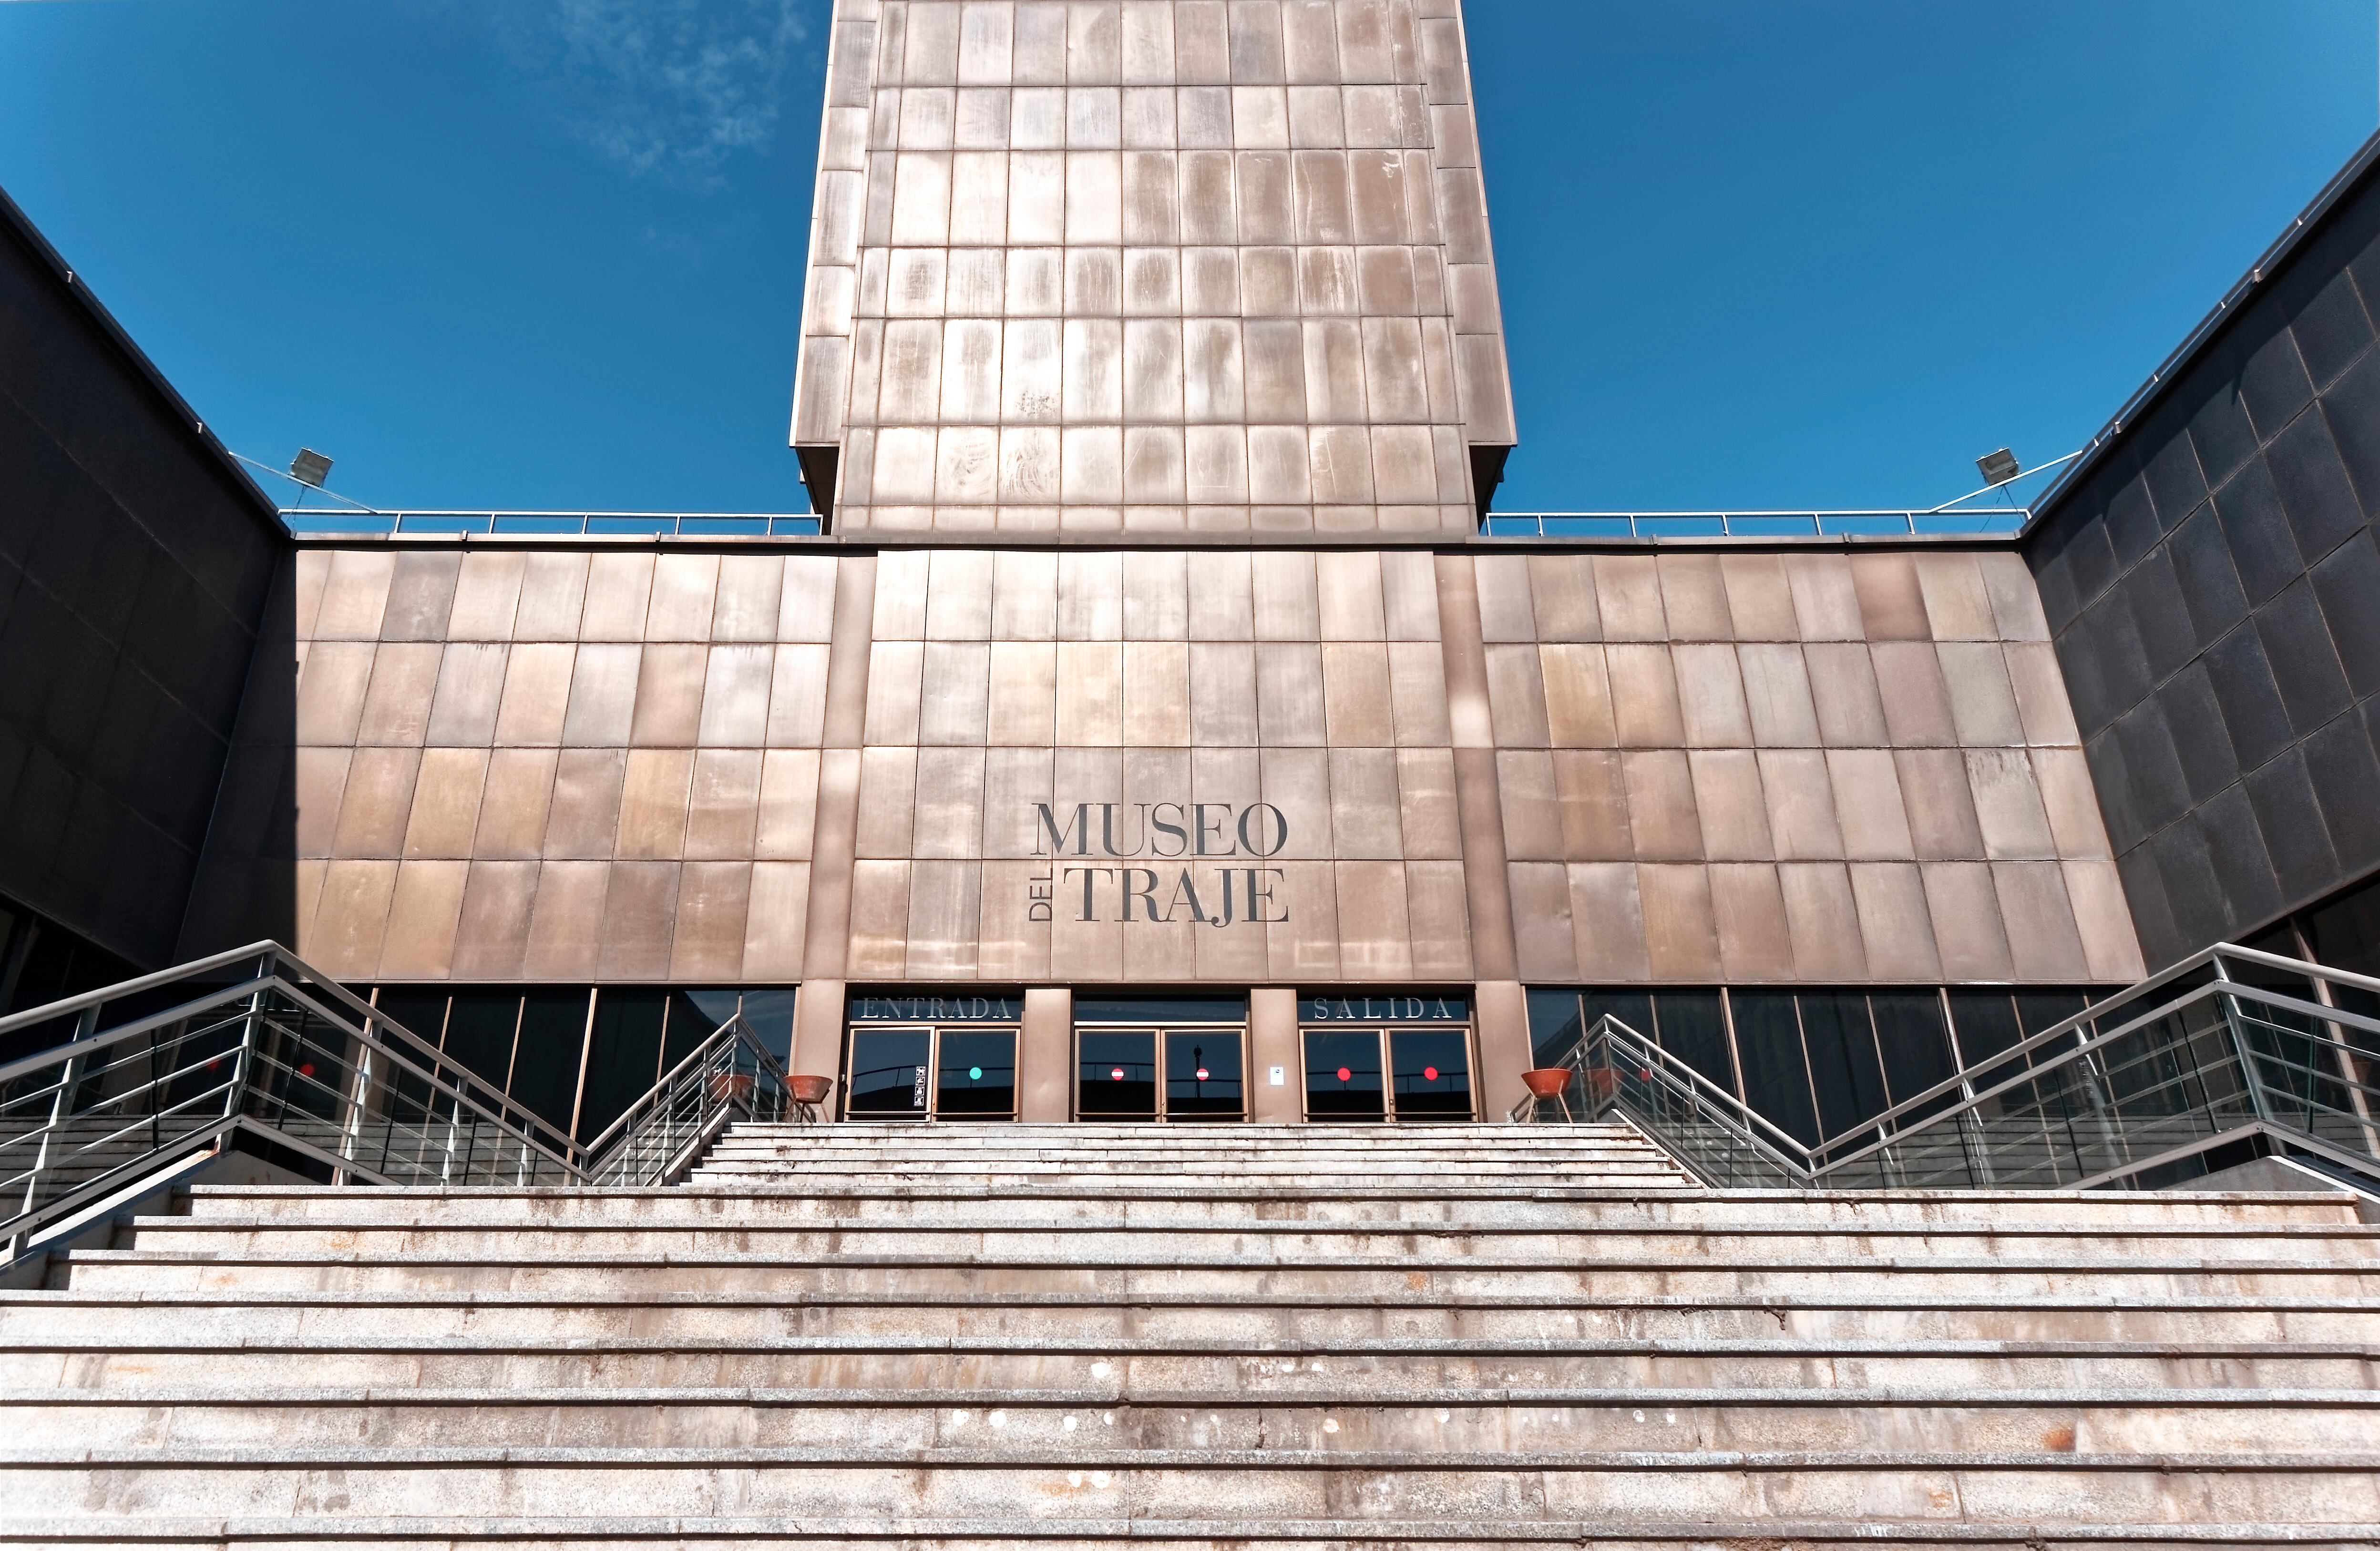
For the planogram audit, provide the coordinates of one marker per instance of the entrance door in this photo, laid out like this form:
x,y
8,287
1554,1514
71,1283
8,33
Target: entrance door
x,y
1426,1074
931,1073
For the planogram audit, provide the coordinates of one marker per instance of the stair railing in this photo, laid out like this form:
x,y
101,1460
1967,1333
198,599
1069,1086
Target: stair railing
x,y
1714,1135
2229,1045
122,1084
730,1076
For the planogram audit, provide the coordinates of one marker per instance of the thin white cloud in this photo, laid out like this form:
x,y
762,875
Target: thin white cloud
x,y
669,88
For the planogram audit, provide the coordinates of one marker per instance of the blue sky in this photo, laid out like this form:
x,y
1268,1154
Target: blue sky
x,y
547,253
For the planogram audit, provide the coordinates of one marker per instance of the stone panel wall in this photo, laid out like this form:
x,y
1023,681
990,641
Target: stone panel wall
x,y
556,764
1151,265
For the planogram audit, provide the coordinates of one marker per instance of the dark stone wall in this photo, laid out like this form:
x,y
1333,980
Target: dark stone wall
x,y
2214,589
134,568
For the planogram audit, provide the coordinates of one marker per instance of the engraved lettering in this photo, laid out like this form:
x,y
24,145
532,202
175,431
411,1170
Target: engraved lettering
x,y
1198,820
1139,883
1157,821
1253,844
1081,829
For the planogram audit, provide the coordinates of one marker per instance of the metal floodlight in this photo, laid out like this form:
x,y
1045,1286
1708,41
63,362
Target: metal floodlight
x,y
310,468
1998,468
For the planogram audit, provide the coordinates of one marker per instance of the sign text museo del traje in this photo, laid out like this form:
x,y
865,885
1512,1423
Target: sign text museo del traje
x,y
1211,887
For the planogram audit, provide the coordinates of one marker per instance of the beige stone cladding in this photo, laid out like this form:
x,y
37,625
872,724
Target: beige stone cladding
x,y
1800,766
1151,266
561,765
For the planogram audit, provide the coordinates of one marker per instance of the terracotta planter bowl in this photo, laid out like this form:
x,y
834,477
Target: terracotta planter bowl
x,y
810,1090
1547,1082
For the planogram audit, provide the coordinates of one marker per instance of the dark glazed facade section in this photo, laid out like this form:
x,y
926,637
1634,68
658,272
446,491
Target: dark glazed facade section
x,y
2213,586
134,565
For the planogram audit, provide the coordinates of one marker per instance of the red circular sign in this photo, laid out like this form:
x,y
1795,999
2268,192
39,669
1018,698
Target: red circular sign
x,y
1117,1075
1202,1074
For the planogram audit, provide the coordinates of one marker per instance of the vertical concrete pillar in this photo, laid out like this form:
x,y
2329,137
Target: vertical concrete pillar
x,y
1045,1056
1503,1009
1272,1041
1479,806
826,934
817,1032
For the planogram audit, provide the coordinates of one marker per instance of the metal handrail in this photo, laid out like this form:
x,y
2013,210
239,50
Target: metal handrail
x,y
691,1103
1804,523
683,525
270,1047
2190,1060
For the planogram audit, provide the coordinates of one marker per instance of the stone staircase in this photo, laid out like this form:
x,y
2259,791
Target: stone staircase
x,y
983,1336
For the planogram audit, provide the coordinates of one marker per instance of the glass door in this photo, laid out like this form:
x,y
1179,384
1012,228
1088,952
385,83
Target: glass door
x,y
1426,1074
1342,1076
889,1074
1203,1077
1429,1073
975,1074
1116,1074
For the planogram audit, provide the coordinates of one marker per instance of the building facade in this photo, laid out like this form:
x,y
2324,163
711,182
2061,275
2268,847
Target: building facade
x,y
1153,732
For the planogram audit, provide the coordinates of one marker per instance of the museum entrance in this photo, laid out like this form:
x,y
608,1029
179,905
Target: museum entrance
x,y
919,1058
1381,1059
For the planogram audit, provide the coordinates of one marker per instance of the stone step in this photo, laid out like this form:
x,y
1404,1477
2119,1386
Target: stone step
x,y
1470,1431
989,1320
241,1365
1220,1277
1158,1238
2083,1214
1284,1133
1205,1493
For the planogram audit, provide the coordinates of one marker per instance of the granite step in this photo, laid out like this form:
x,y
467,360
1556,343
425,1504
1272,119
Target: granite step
x,y
989,1320
1144,1370
1208,1492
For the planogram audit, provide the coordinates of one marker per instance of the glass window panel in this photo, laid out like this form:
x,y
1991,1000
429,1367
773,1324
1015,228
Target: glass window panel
x,y
423,1014
690,1022
624,1057
2040,1010
1431,1073
1116,1077
888,1073
1342,1076
1916,1046
1843,1068
1555,1025
1693,1027
479,1035
1161,1009
545,1065
1987,1023
976,1079
770,1014
1776,1078
2345,934
1204,1079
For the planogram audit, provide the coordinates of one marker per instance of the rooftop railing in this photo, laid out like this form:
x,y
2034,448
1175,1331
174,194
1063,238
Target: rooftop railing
x,y
1499,524
2229,1046
1749,525
658,525
122,1084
